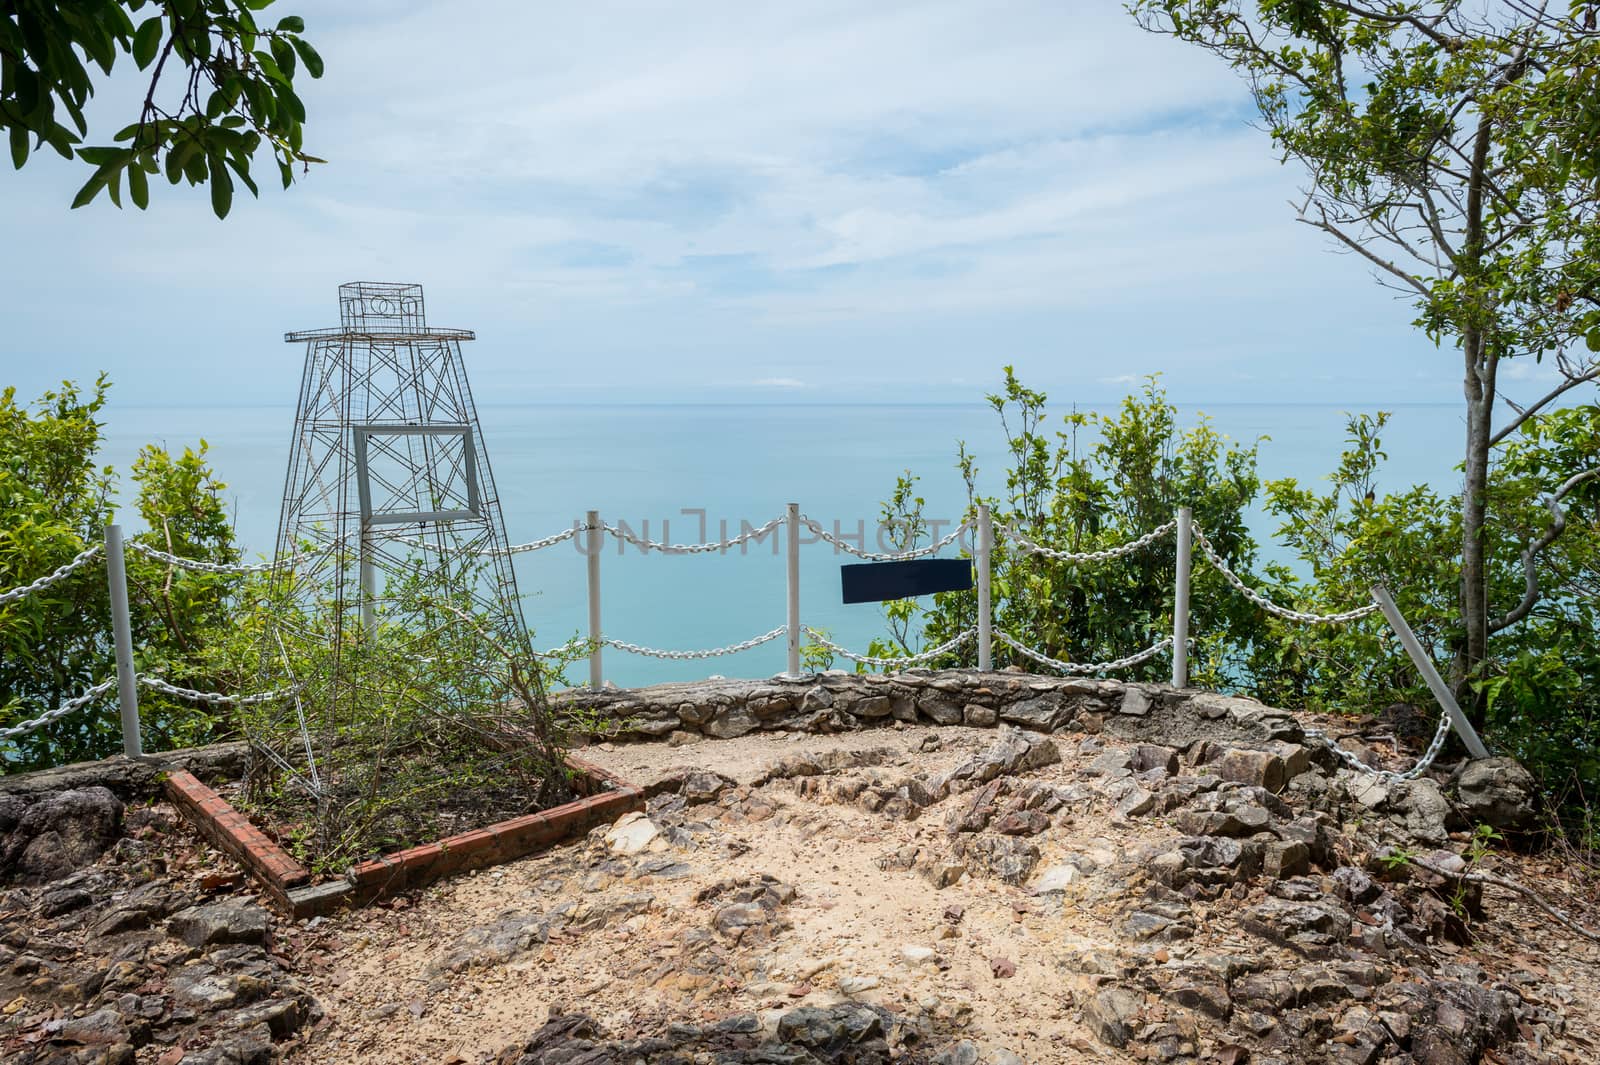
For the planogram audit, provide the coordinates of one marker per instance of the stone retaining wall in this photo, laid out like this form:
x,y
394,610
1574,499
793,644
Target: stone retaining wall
x,y
838,701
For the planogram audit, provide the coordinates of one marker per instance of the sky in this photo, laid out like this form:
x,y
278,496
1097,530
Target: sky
x,y
732,202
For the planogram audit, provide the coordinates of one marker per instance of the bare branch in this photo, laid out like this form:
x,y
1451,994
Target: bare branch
x,y
1524,413
1510,885
1356,246
1558,525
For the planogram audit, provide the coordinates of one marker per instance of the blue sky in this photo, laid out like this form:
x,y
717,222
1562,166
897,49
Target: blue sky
x,y
733,202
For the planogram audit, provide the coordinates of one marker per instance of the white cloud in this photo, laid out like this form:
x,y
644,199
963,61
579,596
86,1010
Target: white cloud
x,y
642,196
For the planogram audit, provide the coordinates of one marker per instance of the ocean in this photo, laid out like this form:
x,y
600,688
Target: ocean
x,y
665,469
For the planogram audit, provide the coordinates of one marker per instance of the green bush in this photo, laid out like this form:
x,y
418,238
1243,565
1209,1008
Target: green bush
x,y
55,500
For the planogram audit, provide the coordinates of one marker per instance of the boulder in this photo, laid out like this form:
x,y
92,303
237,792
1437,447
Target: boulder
x,y
58,834
1498,792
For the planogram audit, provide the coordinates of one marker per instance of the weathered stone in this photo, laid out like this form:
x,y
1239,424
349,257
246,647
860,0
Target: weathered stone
x,y
1148,756
872,706
976,715
1021,823
831,1030
492,944
1198,989
1498,792
57,834
1270,991
631,833
1285,858
816,698
1311,928
1263,769
216,923
1040,713
103,1027
704,786
1013,751
1238,820
1055,878
730,723
1111,1014
940,708
1135,703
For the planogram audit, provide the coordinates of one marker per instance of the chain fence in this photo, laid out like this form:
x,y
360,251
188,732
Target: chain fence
x,y
60,573
903,660
1084,667
645,544
1304,617
1158,533
685,656
883,556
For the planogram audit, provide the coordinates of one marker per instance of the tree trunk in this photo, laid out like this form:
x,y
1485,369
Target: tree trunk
x,y
1479,388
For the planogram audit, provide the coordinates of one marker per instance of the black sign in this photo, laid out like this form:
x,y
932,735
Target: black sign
x,y
875,582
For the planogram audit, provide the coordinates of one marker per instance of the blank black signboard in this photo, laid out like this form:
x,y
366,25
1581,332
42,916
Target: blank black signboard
x,y
875,582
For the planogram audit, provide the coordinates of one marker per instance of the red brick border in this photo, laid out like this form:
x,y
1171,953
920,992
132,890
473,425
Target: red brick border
x,y
219,822
289,883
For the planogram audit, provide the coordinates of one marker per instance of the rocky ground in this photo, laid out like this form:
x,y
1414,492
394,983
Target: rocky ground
x,y
907,893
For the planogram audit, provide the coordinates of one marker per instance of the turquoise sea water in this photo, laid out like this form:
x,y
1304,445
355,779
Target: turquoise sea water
x,y
665,464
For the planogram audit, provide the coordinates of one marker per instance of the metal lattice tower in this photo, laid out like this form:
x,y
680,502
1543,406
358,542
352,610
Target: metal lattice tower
x,y
390,533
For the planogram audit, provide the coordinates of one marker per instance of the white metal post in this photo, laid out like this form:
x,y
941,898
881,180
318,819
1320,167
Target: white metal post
x,y
1180,599
985,607
122,640
1424,664
369,585
593,543
792,527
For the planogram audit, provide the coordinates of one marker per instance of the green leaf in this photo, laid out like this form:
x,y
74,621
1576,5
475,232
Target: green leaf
x,y
1592,341
270,68
221,187
309,56
138,187
19,146
147,41
284,55
91,188
292,24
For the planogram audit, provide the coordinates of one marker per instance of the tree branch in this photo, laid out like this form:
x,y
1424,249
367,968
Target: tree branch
x,y
1512,886
1558,525
1524,413
1365,253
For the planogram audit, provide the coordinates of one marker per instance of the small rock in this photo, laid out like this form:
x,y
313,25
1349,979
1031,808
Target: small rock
x,y
632,833
1283,859
227,921
854,985
976,715
1110,1015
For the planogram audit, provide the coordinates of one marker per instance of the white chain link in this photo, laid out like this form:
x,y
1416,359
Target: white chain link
x,y
882,556
197,565
1423,764
514,549
63,710
1106,555
1085,667
691,549
867,660
684,656
212,698
1268,605
53,576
